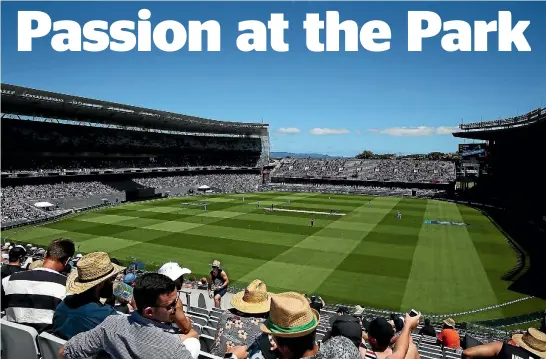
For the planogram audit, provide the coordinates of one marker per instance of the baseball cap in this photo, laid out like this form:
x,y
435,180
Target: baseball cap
x,y
381,331
347,326
129,278
173,270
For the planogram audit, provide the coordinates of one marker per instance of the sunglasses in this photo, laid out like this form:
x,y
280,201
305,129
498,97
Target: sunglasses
x,y
171,306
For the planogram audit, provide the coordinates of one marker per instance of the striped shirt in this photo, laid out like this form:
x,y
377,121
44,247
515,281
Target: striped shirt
x,y
128,337
32,296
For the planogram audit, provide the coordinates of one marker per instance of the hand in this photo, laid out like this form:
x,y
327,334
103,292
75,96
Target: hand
x,y
412,322
240,351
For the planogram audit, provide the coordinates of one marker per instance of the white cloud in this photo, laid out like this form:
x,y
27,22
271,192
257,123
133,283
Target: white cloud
x,y
288,130
415,131
446,130
329,131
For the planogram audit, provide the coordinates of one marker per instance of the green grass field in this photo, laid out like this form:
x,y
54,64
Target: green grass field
x,y
366,257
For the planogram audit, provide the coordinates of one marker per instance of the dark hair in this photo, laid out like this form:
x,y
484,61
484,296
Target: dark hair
x,y
149,287
61,250
297,346
427,321
16,253
115,261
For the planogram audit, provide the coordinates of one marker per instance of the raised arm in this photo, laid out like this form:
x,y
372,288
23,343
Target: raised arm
x,y
402,343
488,350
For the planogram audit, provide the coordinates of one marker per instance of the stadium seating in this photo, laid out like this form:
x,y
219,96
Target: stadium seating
x,y
403,170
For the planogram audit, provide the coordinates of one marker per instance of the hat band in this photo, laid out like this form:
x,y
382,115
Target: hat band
x,y
93,279
287,330
534,343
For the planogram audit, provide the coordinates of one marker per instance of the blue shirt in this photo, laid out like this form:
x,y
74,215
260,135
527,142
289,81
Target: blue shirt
x,y
71,319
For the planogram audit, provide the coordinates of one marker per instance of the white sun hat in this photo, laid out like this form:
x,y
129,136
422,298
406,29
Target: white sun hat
x,y
173,270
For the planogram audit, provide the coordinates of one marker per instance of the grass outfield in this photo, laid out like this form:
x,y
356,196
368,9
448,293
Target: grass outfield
x,y
366,257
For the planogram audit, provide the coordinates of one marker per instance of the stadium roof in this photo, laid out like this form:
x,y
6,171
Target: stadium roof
x,y
491,130
25,101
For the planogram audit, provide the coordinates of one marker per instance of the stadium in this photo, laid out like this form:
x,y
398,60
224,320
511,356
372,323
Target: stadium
x,y
461,239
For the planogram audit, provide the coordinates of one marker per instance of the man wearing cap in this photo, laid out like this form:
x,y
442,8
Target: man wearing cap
x,y
525,346
175,272
33,296
218,282
449,337
145,333
241,324
129,279
82,310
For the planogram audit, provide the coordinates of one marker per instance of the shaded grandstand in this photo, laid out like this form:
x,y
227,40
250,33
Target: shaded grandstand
x,y
511,186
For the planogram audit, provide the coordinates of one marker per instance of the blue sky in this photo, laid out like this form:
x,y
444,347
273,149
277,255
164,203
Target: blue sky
x,y
334,103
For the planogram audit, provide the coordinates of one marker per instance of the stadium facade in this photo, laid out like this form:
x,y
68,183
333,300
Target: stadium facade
x,y
512,162
59,130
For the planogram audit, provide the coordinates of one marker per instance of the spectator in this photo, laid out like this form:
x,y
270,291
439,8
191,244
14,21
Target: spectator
x,y
241,324
15,259
142,334
316,303
129,279
218,282
36,264
427,329
526,346
347,326
292,325
398,322
32,296
175,272
380,338
83,311
449,337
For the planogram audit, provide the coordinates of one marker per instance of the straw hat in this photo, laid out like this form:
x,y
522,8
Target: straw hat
x,y
450,323
36,264
254,299
215,264
290,316
533,340
92,269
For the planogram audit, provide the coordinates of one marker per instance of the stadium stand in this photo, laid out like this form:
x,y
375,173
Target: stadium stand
x,y
403,171
81,153
511,191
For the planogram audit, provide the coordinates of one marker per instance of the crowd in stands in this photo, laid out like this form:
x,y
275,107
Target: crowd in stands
x,y
226,183
18,201
397,170
346,189
100,307
86,166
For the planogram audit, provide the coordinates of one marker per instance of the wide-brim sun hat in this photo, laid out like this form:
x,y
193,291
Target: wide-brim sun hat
x,y
532,340
255,299
450,322
290,316
92,269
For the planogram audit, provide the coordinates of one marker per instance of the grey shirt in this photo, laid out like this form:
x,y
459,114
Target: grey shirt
x,y
128,337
